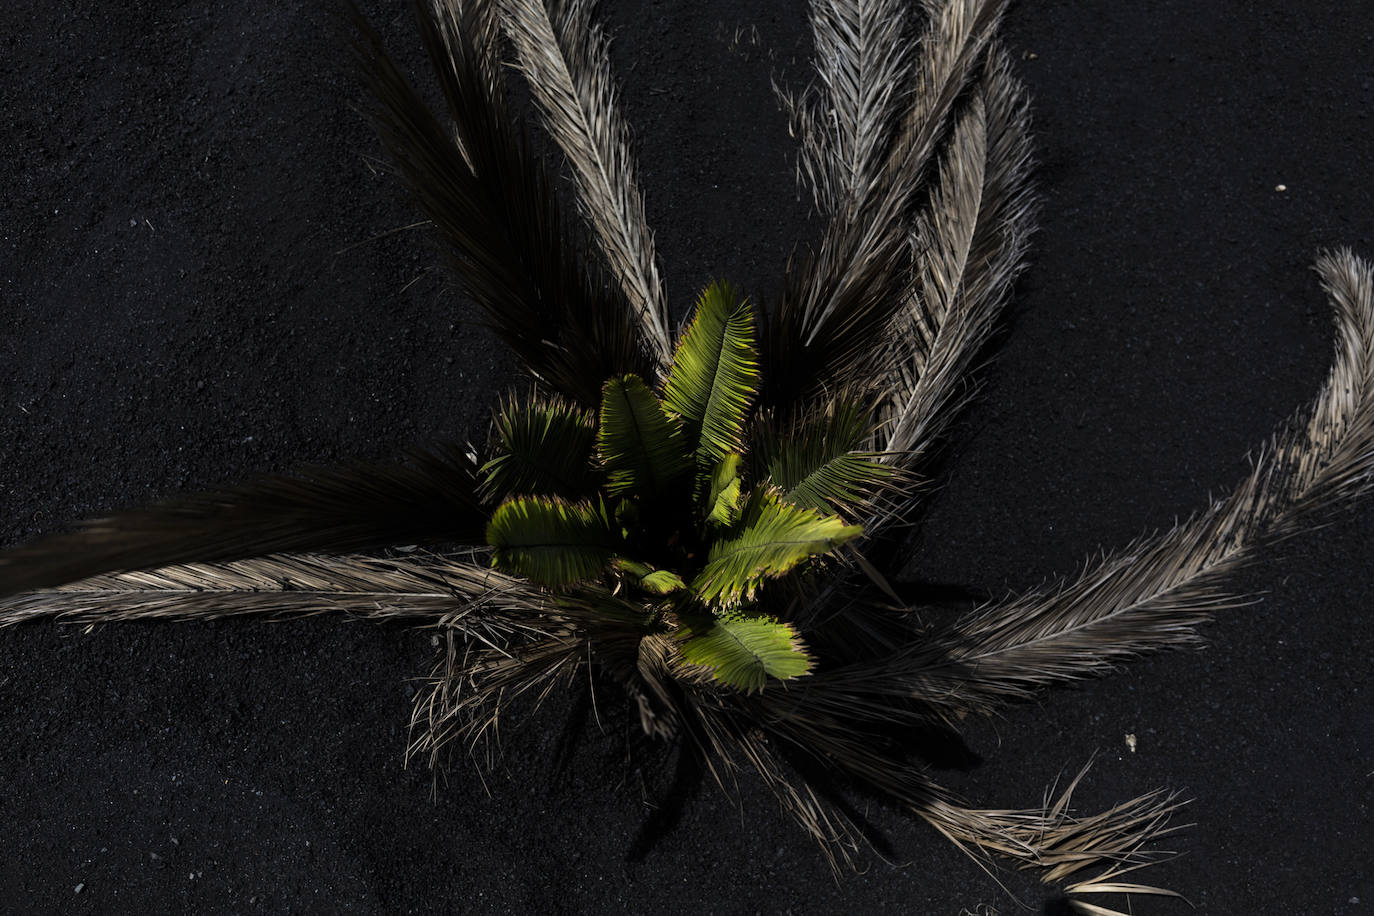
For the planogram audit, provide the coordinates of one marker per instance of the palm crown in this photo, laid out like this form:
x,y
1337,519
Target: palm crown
x,y
711,521
665,502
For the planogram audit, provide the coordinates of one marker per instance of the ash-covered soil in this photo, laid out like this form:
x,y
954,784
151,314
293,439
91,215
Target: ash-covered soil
x,y
204,275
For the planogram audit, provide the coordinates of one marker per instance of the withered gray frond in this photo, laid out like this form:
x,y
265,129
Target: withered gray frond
x,y
463,596
564,56
1154,593
475,682
1059,843
846,121
949,57
969,245
1051,838
846,294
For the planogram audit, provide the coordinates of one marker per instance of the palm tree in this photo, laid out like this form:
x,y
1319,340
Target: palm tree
x,y
713,517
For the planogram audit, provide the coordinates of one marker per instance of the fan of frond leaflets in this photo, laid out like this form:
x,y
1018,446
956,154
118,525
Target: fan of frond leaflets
x,y
696,515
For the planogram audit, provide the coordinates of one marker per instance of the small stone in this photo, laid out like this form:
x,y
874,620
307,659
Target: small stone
x,y
1280,188
78,889
1131,743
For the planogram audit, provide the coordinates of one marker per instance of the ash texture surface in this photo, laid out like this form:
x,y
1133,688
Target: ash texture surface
x,y
201,281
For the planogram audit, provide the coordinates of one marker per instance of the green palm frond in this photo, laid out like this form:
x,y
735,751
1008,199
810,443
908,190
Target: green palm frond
x,y
641,446
715,373
773,539
744,652
654,581
723,500
818,464
662,582
542,448
551,541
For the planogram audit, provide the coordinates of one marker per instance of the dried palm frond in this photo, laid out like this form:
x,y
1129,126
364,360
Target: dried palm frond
x,y
474,684
494,205
847,121
1059,843
846,294
431,498
680,519
970,246
564,56
952,48
421,589
1051,838
1154,593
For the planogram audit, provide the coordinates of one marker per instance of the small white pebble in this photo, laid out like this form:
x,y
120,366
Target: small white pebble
x,y
79,888
1280,188
1130,743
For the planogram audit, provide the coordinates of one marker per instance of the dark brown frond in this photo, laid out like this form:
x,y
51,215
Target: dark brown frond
x,y
432,498
495,206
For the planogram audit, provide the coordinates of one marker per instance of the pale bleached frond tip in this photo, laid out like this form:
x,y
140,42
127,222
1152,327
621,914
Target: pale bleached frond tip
x,y
846,120
564,55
